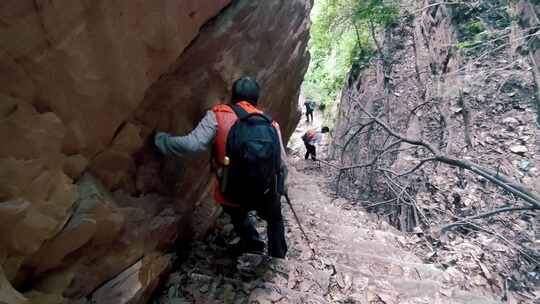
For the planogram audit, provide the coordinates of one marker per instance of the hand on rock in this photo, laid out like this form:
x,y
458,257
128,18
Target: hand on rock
x,y
156,152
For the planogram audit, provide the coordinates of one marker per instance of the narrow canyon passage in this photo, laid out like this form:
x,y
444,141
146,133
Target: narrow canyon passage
x,y
349,256
426,188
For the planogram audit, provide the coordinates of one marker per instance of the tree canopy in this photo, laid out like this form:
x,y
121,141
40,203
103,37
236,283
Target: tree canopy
x,y
342,35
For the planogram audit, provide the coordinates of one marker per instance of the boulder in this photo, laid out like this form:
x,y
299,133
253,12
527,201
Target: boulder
x,y
8,294
83,195
135,284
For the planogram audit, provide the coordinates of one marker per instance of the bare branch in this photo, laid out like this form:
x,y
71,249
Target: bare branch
x,y
466,221
405,192
374,37
441,3
494,177
411,141
420,164
497,179
506,180
381,203
375,159
362,126
352,137
512,244
490,51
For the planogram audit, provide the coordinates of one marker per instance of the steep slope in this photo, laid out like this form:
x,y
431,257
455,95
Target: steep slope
x,y
528,17
84,84
355,259
460,76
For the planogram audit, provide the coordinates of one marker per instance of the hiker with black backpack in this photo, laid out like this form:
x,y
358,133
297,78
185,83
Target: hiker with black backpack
x,y
310,139
310,107
248,161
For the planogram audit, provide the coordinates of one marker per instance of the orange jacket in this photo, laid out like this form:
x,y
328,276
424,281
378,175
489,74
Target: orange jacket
x,y
226,118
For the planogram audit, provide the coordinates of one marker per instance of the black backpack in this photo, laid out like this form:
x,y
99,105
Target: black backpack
x,y
309,135
254,150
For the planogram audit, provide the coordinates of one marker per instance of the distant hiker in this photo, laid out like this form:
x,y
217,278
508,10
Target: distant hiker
x,y
310,139
249,160
310,107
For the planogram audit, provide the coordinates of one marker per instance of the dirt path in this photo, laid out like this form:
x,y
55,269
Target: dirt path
x,y
357,260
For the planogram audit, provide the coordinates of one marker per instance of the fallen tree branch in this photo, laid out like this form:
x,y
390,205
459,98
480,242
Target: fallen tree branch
x,y
506,180
494,177
411,199
466,221
381,203
361,125
498,235
420,164
411,141
356,133
510,243
375,159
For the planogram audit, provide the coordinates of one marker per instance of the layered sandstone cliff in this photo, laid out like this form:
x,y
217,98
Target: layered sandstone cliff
x,y
82,198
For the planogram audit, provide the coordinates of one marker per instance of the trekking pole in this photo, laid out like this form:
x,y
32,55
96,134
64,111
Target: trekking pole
x,y
304,234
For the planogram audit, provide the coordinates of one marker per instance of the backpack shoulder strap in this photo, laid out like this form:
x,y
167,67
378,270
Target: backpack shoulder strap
x,y
243,114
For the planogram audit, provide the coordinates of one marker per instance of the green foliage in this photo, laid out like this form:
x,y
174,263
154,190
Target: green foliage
x,y
473,34
474,27
475,18
467,45
477,35
376,11
341,42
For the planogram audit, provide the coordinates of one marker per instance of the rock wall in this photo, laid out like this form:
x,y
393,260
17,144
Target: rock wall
x,y
528,15
82,197
473,96
433,86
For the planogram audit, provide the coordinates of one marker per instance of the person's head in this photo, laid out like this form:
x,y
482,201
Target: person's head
x,y
325,130
245,89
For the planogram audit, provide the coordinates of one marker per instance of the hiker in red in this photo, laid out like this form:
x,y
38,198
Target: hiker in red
x,y
249,164
310,139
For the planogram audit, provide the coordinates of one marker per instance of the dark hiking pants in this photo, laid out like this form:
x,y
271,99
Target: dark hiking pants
x,y
310,150
308,115
270,211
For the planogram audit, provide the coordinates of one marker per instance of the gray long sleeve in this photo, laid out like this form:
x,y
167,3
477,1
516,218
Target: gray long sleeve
x,y
197,141
316,139
282,149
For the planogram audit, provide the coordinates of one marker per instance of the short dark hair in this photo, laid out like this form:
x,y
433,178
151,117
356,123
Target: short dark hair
x,y
325,129
245,89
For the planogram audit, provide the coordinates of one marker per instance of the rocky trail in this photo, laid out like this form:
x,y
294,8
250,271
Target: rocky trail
x,y
357,259
349,257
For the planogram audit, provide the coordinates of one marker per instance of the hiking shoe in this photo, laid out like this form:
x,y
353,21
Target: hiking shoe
x,y
255,246
253,264
241,247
